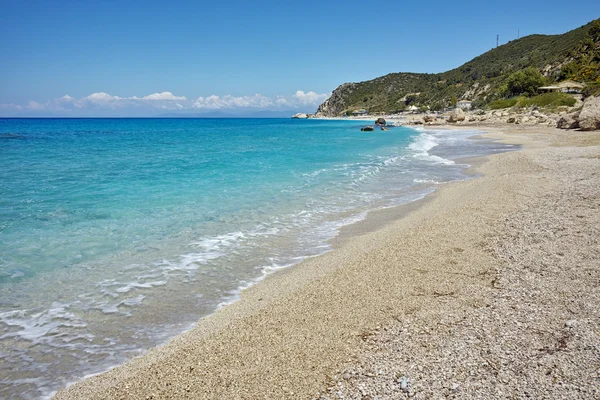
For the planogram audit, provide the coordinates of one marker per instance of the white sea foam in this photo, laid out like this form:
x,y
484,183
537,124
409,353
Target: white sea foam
x,y
41,326
421,146
416,180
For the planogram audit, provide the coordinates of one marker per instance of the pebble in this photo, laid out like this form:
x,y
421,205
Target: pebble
x,y
571,323
511,348
404,383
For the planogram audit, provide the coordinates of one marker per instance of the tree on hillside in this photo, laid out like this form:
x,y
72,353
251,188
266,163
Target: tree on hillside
x,y
437,106
585,58
525,81
594,32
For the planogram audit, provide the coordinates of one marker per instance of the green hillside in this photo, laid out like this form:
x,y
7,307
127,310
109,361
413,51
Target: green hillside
x,y
570,55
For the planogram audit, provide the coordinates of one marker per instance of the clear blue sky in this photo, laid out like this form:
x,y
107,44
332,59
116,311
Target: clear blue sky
x,y
239,48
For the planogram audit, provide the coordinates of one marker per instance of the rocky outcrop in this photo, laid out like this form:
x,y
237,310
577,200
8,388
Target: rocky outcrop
x,y
300,116
413,121
457,115
519,117
589,117
380,122
336,104
567,122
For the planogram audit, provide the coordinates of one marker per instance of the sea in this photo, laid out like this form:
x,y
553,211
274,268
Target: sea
x,y
118,234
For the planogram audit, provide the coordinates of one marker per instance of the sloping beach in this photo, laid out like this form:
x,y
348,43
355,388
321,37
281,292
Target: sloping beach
x,y
487,288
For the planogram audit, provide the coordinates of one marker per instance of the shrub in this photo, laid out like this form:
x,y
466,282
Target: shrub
x,y
554,99
478,103
503,103
592,89
525,81
437,106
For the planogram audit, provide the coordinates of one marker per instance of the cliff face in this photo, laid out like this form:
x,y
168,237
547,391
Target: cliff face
x,y
477,80
336,103
380,94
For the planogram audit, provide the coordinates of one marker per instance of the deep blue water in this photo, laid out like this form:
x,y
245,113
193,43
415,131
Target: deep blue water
x,y
117,233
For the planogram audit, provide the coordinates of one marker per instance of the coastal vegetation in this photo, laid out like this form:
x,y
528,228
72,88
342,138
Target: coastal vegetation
x,y
503,103
584,59
554,99
526,81
491,80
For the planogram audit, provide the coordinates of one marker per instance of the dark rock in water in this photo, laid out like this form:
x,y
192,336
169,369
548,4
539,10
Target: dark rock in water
x,y
367,129
380,122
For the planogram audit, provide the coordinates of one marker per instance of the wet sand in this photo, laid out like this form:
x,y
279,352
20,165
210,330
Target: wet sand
x,y
299,332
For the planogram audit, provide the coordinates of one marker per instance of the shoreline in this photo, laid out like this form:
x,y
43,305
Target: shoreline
x,y
143,321
348,230
288,335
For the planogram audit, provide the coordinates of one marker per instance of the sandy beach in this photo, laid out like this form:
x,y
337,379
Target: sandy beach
x,y
488,288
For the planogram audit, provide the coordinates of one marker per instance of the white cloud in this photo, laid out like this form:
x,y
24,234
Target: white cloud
x,y
102,103
310,98
217,102
281,100
10,106
162,96
300,98
100,100
101,97
34,105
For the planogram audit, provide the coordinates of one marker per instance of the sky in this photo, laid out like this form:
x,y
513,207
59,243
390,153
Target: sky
x,y
149,58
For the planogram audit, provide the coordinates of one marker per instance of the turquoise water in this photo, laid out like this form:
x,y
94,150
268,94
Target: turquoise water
x,y
116,234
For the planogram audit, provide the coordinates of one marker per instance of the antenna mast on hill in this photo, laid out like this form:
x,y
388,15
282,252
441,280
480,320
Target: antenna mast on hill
x,y
497,36
518,33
